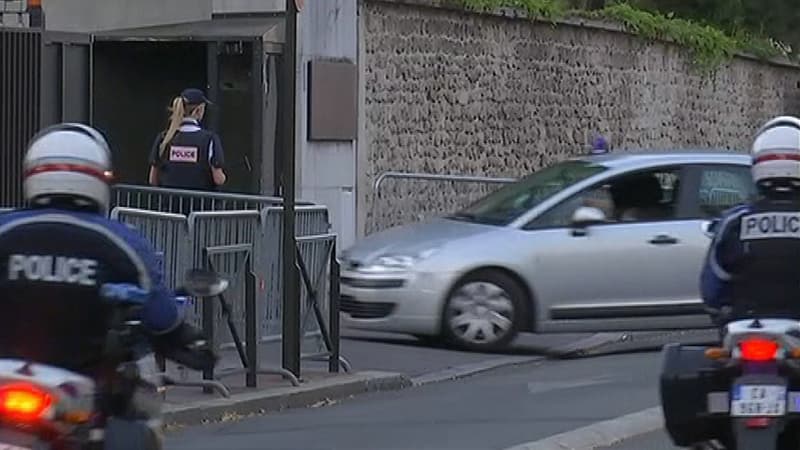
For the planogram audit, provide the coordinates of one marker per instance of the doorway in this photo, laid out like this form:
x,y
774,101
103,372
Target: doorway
x,y
134,83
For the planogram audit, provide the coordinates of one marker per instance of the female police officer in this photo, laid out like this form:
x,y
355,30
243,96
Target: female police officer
x,y
185,156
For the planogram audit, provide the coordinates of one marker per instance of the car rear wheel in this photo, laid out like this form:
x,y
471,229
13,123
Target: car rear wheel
x,y
484,311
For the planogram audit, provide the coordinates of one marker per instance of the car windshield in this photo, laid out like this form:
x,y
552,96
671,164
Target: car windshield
x,y
508,203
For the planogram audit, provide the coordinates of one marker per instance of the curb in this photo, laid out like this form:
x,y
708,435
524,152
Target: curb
x,y
610,343
323,392
601,434
467,370
281,398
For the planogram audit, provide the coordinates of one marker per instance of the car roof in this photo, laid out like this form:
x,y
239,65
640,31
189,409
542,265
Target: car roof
x,y
635,158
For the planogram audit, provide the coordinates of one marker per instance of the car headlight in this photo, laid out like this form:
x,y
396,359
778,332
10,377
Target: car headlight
x,y
395,263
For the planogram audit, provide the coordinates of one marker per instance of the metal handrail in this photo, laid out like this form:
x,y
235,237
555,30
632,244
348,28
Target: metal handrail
x,y
212,195
433,177
439,177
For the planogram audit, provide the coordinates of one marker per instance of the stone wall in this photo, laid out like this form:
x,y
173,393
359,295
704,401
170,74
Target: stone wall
x,y
455,92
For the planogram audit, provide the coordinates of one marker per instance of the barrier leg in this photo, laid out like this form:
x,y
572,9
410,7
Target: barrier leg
x,y
333,314
251,328
226,311
208,329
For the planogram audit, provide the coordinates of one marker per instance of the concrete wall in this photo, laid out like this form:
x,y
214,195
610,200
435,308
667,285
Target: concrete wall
x,y
327,169
241,6
94,15
99,15
447,91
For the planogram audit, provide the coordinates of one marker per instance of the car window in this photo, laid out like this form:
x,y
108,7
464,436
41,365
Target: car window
x,y
640,197
724,187
508,203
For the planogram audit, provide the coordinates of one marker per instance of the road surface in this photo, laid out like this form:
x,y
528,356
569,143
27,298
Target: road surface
x,y
406,354
656,440
494,410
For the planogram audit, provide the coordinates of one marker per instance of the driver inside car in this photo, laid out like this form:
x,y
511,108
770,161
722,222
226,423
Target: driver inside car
x,y
56,255
638,198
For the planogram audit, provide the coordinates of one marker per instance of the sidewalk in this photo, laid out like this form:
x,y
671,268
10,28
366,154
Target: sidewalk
x,y
379,362
190,405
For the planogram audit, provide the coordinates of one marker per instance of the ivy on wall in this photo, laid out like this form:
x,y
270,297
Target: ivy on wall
x,y
710,46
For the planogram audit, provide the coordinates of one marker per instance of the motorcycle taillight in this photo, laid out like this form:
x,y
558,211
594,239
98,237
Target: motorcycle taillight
x,y
23,401
757,422
758,349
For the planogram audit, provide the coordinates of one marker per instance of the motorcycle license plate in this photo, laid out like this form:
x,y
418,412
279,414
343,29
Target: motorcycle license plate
x,y
750,400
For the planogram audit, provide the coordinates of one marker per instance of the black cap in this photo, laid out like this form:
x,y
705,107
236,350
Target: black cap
x,y
194,96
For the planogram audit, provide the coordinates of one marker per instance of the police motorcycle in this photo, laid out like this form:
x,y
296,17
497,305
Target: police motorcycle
x,y
743,395
44,407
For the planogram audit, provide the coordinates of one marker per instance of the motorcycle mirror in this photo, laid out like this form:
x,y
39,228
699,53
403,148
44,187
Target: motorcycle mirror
x,y
204,283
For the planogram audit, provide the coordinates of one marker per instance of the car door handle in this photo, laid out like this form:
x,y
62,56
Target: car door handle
x,y
663,239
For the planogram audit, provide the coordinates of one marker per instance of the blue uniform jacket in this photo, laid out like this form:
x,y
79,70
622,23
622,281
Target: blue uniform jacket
x,y
725,250
160,313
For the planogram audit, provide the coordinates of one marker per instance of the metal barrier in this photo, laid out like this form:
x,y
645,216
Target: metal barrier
x,y
169,235
723,197
244,246
217,240
310,220
320,253
185,201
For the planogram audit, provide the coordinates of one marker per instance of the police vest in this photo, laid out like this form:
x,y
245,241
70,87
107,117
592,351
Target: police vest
x,y
51,270
185,164
767,278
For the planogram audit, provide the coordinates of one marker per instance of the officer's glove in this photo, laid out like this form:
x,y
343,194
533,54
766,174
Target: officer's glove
x,y
186,345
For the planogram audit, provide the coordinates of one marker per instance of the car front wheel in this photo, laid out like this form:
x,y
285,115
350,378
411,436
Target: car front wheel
x,y
484,311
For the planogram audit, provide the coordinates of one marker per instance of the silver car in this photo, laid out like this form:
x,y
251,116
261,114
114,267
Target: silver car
x,y
599,243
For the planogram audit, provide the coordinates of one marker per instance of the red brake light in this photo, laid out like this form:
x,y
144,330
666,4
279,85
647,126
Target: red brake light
x,y
757,349
757,422
23,401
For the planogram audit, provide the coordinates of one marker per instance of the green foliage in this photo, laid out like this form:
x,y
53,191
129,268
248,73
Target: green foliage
x,y
775,18
710,45
548,9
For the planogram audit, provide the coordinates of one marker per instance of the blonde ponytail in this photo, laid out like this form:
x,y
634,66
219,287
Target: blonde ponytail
x,y
177,111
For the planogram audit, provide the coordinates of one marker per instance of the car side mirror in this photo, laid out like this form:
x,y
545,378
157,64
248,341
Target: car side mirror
x,y
584,217
711,228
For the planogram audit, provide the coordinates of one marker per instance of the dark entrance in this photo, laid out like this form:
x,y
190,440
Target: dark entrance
x,y
137,73
124,80
133,85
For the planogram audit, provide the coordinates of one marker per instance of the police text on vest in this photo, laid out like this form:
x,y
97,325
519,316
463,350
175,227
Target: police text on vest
x,y
773,225
183,154
52,269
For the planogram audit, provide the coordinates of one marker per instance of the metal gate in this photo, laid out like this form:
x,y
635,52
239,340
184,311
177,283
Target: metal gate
x,y
44,79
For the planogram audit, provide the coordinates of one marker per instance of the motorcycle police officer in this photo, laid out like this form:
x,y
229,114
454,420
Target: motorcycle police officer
x,y
185,156
752,264
56,254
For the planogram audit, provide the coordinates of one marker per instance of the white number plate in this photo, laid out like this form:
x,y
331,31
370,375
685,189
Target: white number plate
x,y
12,447
758,400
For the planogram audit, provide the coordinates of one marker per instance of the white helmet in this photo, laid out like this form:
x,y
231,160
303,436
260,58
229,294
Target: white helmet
x,y
776,151
68,161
